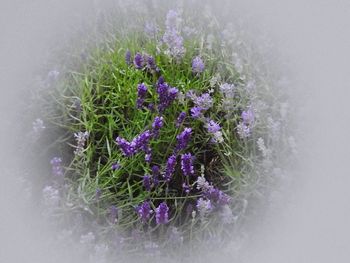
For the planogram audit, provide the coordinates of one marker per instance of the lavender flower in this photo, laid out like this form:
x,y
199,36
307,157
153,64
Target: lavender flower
x,y
88,238
128,57
183,139
151,64
162,216
186,188
38,126
180,119
139,62
214,129
170,168
157,125
205,101
227,90
146,181
115,166
139,143
248,117
155,175
187,164
172,38
56,166
197,65
212,126
141,94
166,93
151,29
217,196
243,130
51,196
144,211
80,138
52,76
148,157
196,112
125,146
203,206
203,184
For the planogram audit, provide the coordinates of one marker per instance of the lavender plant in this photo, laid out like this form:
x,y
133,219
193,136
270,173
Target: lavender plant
x,y
163,135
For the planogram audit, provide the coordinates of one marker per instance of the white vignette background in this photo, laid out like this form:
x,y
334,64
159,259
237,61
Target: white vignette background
x,y
313,226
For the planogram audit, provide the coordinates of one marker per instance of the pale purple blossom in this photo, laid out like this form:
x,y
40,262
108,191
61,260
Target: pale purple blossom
x,y
203,206
81,138
196,112
56,166
38,126
115,166
197,65
172,37
128,57
204,101
180,119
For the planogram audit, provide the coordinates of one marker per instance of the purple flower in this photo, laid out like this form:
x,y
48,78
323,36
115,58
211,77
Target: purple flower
x,y
204,101
139,143
186,188
139,62
183,139
203,206
170,168
151,63
166,93
196,112
146,181
243,130
56,166
144,211
197,65
141,94
151,29
212,126
128,57
187,164
248,117
217,196
180,119
115,166
155,175
148,157
162,216
125,146
172,38
157,125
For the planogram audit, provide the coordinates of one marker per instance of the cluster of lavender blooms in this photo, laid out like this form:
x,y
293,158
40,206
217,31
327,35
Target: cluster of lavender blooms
x,y
81,138
172,173
172,37
38,126
244,128
56,165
